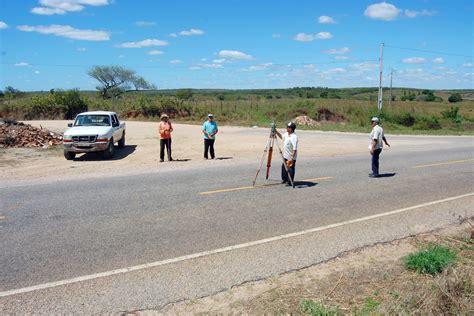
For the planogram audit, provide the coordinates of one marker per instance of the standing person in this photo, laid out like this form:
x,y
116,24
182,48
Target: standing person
x,y
209,129
290,147
377,138
165,130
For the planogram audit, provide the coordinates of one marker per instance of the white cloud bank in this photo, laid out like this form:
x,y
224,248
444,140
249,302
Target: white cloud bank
x,y
337,51
191,32
68,32
155,52
21,64
145,23
413,14
414,60
382,11
234,54
302,37
51,7
144,43
324,19
3,25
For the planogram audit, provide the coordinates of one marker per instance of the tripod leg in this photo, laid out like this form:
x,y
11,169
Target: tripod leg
x,y
261,161
286,167
269,160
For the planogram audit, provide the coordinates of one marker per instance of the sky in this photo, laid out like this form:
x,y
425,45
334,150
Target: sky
x,y
51,44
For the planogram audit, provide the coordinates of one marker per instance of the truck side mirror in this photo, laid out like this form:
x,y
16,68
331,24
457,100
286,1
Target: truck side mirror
x,y
69,125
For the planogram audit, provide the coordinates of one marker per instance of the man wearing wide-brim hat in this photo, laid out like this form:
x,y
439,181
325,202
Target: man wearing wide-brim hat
x,y
165,129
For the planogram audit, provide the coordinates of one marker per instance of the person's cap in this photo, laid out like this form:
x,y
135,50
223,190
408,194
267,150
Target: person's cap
x,y
292,125
210,115
375,119
163,116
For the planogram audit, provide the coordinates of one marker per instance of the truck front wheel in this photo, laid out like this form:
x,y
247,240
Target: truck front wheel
x,y
109,152
69,155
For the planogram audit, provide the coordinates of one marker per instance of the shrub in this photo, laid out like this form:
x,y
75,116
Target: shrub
x,y
431,260
427,123
455,97
452,114
405,119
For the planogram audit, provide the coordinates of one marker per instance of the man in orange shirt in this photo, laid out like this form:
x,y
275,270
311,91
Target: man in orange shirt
x,y
165,129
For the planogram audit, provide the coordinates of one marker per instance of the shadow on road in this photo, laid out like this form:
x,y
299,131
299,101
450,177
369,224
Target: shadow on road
x,y
386,175
223,158
120,153
304,184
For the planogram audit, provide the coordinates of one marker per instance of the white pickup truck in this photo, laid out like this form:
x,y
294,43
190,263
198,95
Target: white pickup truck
x,y
94,132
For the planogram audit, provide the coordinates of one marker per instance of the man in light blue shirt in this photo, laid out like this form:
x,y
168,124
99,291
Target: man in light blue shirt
x,y
209,129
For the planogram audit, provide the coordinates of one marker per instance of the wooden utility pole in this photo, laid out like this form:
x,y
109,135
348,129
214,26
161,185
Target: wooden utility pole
x,y
380,79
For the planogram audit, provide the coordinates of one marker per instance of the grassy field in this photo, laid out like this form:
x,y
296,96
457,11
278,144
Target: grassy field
x,y
346,110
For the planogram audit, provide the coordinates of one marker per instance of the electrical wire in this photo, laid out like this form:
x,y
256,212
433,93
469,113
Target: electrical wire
x,y
428,51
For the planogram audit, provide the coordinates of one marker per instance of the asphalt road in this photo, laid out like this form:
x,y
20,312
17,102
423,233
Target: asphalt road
x,y
62,230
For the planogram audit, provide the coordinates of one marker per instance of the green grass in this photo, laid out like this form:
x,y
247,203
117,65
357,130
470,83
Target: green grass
x,y
432,259
310,307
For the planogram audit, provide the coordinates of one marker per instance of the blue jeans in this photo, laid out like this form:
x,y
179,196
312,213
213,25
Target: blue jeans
x,y
375,161
291,171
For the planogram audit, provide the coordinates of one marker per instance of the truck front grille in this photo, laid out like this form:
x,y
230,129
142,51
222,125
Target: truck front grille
x,y
84,139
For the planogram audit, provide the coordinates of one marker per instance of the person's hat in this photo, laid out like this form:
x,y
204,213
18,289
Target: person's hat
x,y
163,116
292,125
375,119
210,115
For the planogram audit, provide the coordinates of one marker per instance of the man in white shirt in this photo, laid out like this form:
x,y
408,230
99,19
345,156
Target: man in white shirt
x,y
377,138
290,147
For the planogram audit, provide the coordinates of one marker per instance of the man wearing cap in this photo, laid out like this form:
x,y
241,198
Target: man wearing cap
x,y
165,129
209,129
377,138
290,147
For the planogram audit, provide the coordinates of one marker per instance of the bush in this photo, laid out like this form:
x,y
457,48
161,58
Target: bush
x,y
427,123
455,97
405,119
431,260
452,114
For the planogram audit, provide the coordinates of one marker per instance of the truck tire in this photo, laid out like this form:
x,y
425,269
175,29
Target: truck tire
x,y
109,152
121,142
69,155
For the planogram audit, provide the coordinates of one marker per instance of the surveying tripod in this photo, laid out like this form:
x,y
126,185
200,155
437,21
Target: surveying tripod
x,y
269,150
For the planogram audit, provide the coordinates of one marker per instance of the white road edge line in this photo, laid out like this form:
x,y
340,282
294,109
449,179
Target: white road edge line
x,y
219,250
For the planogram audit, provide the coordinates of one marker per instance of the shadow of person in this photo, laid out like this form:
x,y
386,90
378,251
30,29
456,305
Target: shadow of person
x,y
386,175
223,158
119,154
304,184
181,160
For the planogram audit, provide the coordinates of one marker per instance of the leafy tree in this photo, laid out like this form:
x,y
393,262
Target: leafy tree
x,y
184,94
455,97
324,94
140,83
115,80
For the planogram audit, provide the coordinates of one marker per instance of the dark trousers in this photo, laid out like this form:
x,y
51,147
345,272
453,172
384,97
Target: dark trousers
x,y
209,147
375,161
165,143
291,171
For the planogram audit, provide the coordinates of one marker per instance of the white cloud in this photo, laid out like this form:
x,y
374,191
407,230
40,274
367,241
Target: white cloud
x,y
258,67
337,51
276,35
413,14
367,66
121,56
468,65
414,60
335,70
382,11
50,7
21,64
176,61
438,60
173,35
302,37
68,32
219,61
234,54
145,23
341,57
191,32
3,25
324,19
144,43
213,66
37,72
155,52
82,49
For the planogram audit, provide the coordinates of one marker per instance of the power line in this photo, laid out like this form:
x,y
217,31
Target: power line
x,y
428,51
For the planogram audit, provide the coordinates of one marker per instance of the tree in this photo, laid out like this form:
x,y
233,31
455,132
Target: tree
x,y
140,83
324,94
115,80
184,94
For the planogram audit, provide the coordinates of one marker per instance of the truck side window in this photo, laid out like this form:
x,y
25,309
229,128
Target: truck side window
x,y
114,121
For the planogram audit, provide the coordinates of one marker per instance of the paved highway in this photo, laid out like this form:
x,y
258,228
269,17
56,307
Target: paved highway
x,y
59,236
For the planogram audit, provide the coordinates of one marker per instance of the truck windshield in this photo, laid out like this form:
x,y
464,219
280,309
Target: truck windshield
x,y
92,120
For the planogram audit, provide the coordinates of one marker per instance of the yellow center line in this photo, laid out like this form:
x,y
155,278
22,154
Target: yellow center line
x,y
443,163
256,186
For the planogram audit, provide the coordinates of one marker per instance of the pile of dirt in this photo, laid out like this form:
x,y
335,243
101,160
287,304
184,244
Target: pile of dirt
x,y
328,116
305,120
18,134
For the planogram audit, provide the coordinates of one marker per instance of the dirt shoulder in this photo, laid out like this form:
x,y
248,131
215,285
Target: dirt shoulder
x,y
371,280
141,155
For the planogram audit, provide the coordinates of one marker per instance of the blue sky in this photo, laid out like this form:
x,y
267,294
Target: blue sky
x,y
242,44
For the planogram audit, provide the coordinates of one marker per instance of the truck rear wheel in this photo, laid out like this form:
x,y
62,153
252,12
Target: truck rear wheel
x,y
121,142
109,152
69,155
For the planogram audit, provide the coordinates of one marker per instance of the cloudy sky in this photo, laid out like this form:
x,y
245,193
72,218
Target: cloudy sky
x,y
234,44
